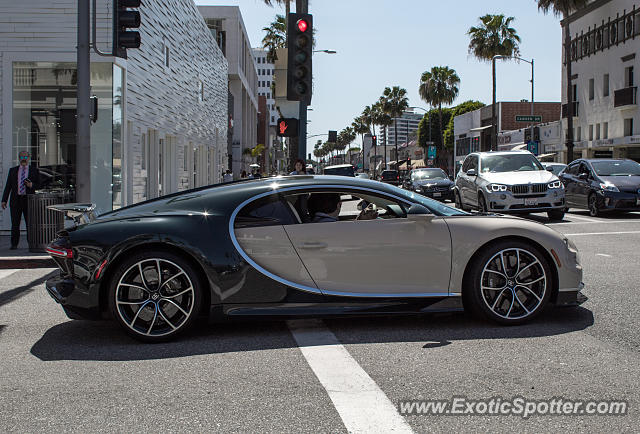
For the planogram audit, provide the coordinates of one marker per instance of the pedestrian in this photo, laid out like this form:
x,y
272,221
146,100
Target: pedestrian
x,y
22,180
243,175
299,168
228,176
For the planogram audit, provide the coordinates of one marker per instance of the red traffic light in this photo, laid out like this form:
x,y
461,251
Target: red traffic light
x,y
302,25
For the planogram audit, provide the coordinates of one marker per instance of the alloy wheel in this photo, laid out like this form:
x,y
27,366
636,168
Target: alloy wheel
x,y
154,297
593,206
513,283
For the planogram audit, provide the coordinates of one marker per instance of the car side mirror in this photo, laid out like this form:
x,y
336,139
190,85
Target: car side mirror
x,y
472,172
419,212
549,169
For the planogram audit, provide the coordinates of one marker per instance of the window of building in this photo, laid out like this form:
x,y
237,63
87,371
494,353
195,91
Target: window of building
x,y
597,131
605,130
628,76
628,127
578,136
591,89
166,55
591,132
200,90
605,85
575,93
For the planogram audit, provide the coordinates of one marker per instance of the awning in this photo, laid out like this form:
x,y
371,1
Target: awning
x,y
551,154
480,128
415,164
519,147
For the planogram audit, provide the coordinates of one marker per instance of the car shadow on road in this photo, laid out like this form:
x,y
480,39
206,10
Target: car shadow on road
x,y
105,341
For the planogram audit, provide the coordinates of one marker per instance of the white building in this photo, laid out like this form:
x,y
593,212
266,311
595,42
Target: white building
x,y
265,79
162,113
406,124
227,26
605,42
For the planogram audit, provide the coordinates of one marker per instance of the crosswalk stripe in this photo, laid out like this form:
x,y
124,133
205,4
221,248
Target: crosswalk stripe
x,y
7,272
361,404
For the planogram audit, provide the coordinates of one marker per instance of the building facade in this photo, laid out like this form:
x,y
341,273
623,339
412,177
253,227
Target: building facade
x,y
605,38
406,125
162,112
227,27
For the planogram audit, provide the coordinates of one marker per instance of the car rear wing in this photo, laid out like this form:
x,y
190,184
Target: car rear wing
x,y
80,213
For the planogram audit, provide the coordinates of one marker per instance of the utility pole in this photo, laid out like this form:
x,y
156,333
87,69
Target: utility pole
x,y
83,130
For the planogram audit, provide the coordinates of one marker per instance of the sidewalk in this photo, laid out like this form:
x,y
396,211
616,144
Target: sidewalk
x,y
22,257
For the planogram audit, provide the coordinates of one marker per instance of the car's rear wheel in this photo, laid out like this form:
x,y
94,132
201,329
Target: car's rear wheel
x,y
482,203
510,283
458,200
155,295
594,211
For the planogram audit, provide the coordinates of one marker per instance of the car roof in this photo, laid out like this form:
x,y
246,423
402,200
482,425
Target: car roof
x,y
593,160
337,166
483,154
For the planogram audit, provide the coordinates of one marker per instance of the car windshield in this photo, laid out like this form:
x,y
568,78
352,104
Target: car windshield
x,y
436,207
389,174
428,174
510,163
616,168
342,171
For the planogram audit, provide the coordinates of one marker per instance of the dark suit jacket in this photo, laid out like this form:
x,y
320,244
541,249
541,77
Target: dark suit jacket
x,y
11,186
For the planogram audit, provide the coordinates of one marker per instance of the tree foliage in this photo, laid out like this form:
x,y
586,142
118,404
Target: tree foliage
x,y
494,36
275,37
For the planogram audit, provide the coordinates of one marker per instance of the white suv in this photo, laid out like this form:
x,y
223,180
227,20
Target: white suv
x,y
509,182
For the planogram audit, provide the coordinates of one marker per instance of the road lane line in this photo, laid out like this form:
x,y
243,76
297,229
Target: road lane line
x,y
582,218
602,222
603,254
8,272
602,233
362,406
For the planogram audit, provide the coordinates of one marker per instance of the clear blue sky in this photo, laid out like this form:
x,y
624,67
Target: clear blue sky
x,y
391,42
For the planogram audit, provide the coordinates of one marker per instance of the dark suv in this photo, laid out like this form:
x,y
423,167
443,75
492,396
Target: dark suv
x,y
390,177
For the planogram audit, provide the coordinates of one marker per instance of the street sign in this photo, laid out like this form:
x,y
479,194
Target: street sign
x,y
528,118
533,147
431,152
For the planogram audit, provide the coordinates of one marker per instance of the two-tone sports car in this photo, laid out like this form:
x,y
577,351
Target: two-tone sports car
x,y
251,248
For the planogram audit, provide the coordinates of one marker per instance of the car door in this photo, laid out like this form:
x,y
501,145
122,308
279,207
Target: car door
x,y
569,179
583,186
388,256
471,191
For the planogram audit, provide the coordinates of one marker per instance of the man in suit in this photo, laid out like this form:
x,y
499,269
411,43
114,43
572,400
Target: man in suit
x,y
22,180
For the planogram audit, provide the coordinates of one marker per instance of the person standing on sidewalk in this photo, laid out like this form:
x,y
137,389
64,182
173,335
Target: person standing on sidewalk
x,y
22,180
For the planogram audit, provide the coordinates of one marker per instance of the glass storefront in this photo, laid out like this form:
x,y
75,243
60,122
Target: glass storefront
x,y
44,124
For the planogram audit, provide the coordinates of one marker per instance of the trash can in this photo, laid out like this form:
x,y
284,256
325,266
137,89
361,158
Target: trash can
x,y
43,224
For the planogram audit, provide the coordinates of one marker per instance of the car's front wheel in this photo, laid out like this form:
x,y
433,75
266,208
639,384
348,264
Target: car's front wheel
x,y
155,295
556,214
594,211
510,282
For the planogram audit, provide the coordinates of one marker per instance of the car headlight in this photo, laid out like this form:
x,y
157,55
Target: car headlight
x,y
556,184
496,187
418,189
607,186
573,250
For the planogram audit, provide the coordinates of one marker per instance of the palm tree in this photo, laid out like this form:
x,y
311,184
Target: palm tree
x,y
379,117
394,103
360,127
275,37
439,86
494,37
564,8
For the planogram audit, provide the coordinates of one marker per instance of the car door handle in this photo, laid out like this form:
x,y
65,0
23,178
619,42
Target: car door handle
x,y
314,245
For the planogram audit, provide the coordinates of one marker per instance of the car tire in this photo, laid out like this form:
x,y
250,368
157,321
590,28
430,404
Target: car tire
x,y
555,214
458,201
482,203
167,306
592,204
508,297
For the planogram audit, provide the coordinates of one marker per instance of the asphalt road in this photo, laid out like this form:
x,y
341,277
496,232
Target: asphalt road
x,y
314,376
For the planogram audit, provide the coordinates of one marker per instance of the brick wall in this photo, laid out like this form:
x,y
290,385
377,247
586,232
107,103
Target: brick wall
x,y
550,111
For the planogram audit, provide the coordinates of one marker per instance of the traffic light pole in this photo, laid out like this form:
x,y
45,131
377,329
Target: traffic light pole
x,y
83,131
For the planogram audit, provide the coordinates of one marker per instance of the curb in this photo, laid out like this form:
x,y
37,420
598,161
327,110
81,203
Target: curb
x,y
22,262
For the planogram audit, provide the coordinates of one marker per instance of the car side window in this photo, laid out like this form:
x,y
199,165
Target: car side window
x,y
467,163
266,211
473,164
572,169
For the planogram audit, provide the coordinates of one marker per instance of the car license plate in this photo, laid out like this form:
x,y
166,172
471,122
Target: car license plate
x,y
530,202
437,194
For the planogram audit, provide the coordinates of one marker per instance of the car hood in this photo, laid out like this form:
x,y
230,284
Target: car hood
x,y
438,182
512,178
624,183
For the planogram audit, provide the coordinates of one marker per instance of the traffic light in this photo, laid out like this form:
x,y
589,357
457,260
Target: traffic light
x,y
333,136
124,19
300,51
288,127
374,140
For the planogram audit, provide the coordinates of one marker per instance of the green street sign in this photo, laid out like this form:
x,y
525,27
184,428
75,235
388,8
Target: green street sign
x,y
431,152
528,118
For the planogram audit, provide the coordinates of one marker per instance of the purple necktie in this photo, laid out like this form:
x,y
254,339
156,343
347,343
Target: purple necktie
x,y
22,189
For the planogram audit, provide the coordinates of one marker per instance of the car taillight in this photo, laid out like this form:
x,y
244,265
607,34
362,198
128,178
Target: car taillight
x,y
60,252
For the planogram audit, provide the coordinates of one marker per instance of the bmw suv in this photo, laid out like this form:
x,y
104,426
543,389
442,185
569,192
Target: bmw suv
x,y
509,182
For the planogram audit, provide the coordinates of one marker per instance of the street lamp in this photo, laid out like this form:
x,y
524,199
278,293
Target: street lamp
x,y
494,138
302,116
428,113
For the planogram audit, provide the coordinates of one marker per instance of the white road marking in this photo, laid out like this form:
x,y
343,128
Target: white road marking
x,y
602,233
7,272
582,218
603,254
362,406
602,222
